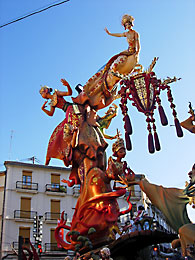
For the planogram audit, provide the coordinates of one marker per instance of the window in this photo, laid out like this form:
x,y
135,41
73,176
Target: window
x,y
55,209
25,207
53,243
55,181
26,178
132,190
25,233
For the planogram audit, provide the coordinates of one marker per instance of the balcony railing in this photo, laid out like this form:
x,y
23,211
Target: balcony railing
x,y
54,216
26,185
25,243
53,247
134,194
55,187
76,191
22,214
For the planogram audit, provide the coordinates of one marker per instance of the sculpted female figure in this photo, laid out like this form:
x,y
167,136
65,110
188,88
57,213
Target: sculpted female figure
x,y
56,98
125,64
57,145
100,90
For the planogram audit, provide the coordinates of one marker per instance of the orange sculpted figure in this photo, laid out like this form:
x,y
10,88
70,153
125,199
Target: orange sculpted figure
x,y
100,90
97,206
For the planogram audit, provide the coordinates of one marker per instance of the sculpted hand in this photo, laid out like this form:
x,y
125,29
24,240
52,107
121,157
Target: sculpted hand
x,y
44,105
106,30
64,82
117,135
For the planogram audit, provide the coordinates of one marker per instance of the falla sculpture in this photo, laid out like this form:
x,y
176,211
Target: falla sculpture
x,y
79,141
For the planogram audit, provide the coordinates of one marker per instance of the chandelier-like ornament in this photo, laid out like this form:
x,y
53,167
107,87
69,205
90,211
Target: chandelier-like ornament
x,y
143,89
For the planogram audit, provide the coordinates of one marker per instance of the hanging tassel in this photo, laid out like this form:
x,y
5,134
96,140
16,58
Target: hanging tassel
x,y
128,142
150,137
128,126
150,143
163,117
177,124
156,141
178,128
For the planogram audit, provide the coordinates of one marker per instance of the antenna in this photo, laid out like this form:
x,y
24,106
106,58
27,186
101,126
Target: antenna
x,y
33,159
10,145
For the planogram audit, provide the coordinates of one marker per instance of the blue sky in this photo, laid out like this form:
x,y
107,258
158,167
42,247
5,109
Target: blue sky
x,y
69,42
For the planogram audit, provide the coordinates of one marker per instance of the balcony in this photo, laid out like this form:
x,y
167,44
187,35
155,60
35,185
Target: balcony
x,y
15,244
22,186
135,195
55,189
51,217
53,247
76,191
22,215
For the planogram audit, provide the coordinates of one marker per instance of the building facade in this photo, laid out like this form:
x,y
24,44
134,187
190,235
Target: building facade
x,y
29,191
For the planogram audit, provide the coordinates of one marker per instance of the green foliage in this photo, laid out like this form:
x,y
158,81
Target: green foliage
x,y
63,189
73,233
81,238
77,247
91,231
88,244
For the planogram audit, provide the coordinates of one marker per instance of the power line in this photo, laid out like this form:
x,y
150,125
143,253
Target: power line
x,y
35,12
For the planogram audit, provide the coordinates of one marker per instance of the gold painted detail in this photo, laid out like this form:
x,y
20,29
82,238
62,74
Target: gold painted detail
x,y
54,100
57,130
140,86
151,88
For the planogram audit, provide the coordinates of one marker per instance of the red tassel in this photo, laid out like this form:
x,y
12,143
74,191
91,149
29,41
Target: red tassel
x,y
156,141
150,143
178,128
128,126
128,142
163,117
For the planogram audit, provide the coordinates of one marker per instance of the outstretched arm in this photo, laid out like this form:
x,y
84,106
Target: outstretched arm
x,y
48,112
65,93
115,34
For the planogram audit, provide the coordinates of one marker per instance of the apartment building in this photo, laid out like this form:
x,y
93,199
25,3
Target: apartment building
x,y
30,190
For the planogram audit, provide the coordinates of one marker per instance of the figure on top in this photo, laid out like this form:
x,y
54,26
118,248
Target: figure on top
x,y
124,63
101,90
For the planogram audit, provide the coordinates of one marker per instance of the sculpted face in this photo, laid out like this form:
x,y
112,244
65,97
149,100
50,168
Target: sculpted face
x,y
121,153
128,25
45,93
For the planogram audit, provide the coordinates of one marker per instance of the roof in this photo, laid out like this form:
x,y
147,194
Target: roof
x,y
31,165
